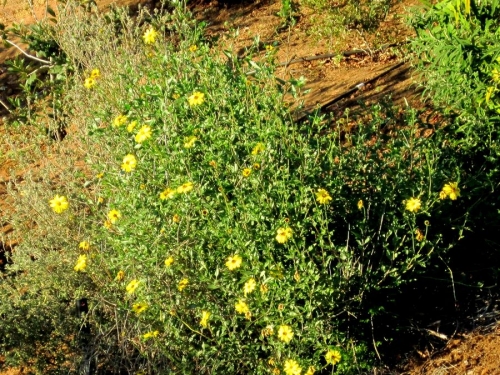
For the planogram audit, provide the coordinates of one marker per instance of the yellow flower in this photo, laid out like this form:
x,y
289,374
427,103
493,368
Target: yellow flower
x,y
205,315
143,134
182,284
234,262
114,215
167,194
193,48
333,357
442,195
196,99
131,126
129,163
81,263
268,331
269,47
241,307
249,286
119,121
276,371
248,315
212,163
185,188
107,224
89,83
150,35
246,172
175,96
95,74
259,147
151,334
59,204
120,275
100,200
189,141
139,307
84,245
263,288
291,367
284,234
311,370
413,204
296,276
451,190
176,218
99,175
256,166
419,236
323,197
169,261
285,333
360,204
132,286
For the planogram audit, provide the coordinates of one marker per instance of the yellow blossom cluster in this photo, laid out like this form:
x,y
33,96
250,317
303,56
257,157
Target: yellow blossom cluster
x,y
91,80
450,190
169,193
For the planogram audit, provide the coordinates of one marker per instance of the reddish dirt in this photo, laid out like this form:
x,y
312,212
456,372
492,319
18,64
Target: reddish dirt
x,y
473,353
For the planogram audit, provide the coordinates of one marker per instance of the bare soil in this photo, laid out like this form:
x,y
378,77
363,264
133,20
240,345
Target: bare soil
x,y
461,352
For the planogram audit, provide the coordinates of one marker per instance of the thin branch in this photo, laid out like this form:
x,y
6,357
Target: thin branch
x,y
5,106
27,54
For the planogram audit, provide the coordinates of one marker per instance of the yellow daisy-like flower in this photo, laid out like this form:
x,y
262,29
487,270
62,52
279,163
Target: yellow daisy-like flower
x,y
132,286
185,188
189,141
84,245
285,333
176,218
150,335
284,234
311,370
259,147
143,134
120,276
150,35
131,126
129,163
249,286
114,216
95,74
233,262
268,331
413,204
119,121
169,261
360,204
256,166
193,48
269,47
167,194
333,357
291,367
205,315
182,284
323,197
196,99
81,263
276,371
451,190
246,172
89,83
139,307
241,307
264,288
59,204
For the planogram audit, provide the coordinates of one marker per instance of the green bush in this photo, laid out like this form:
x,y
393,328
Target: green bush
x,y
209,232
458,53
